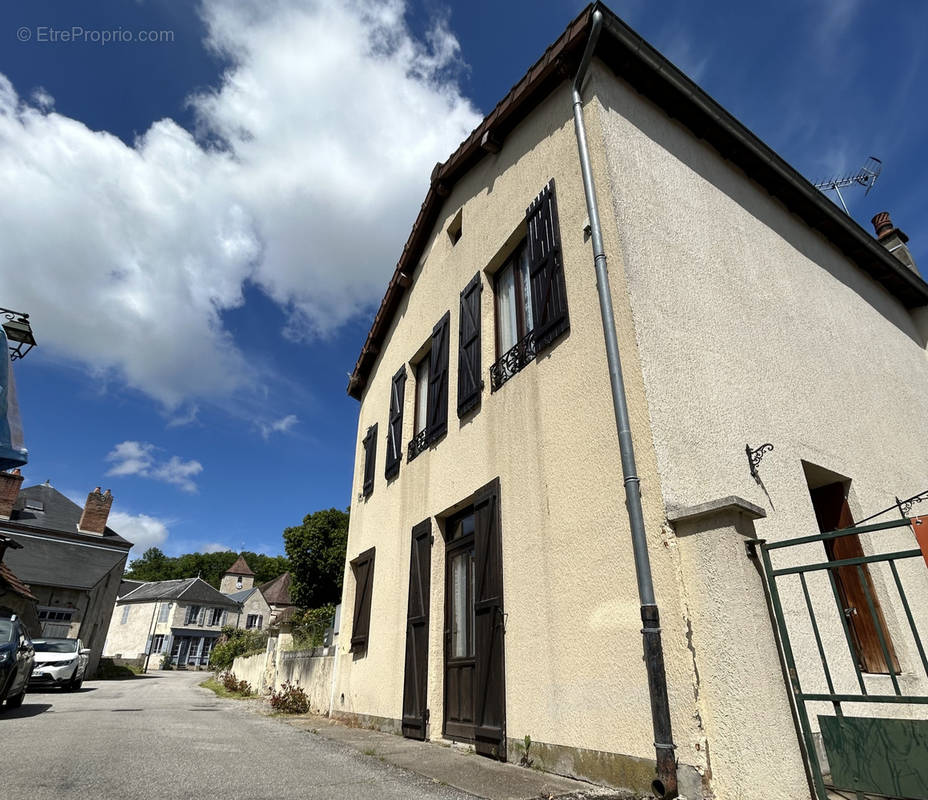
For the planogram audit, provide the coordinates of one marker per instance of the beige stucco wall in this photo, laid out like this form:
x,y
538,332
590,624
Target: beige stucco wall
x,y
128,640
753,328
574,671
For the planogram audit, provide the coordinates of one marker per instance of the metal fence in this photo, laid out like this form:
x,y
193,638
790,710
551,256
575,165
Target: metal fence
x,y
882,750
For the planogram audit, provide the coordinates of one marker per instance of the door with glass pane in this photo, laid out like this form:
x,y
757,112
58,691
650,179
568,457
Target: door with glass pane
x,y
460,661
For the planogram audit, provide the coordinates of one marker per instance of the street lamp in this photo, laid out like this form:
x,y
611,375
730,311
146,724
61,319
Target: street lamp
x,y
18,333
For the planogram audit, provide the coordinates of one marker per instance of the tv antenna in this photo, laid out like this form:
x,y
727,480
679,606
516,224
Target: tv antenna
x,y
865,176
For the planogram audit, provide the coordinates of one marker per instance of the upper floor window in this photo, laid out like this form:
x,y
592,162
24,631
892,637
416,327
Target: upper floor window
x,y
125,614
215,616
530,295
193,613
238,582
513,293
431,412
254,621
163,612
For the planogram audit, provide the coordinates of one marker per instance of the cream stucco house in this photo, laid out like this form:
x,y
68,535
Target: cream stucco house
x,y
493,593
179,620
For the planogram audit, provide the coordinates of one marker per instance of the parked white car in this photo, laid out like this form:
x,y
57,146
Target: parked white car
x,y
59,662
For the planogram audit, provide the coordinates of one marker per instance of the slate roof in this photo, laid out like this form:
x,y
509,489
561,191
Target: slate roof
x,y
127,585
277,591
651,74
80,563
242,594
191,591
240,567
46,508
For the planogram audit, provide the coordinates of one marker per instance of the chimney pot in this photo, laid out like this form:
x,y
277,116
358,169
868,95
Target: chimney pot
x,y
882,224
96,511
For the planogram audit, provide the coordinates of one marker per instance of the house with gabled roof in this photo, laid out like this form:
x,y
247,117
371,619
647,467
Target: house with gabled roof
x,y
69,557
176,620
625,350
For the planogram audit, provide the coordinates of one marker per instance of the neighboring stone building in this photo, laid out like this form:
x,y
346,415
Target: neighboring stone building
x,y
70,559
15,597
238,584
490,589
277,594
181,619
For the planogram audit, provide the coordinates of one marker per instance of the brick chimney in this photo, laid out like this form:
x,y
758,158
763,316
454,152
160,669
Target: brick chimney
x,y
96,510
9,491
893,239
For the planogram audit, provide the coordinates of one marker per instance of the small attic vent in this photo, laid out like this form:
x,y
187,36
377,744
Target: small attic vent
x,y
35,505
456,228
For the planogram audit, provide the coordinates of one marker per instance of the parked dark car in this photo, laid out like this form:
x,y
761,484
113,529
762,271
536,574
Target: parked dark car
x,y
59,662
16,659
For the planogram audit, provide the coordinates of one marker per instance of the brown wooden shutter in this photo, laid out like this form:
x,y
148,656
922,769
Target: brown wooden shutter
x,y
546,269
395,429
437,412
470,383
363,567
415,682
490,683
370,456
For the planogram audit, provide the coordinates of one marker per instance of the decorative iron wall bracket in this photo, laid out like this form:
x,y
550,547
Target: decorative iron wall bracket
x,y
905,506
755,456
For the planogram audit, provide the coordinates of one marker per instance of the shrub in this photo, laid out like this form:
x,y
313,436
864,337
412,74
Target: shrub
x,y
234,685
166,661
234,643
290,699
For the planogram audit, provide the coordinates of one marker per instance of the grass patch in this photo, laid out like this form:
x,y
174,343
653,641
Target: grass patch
x,y
108,671
216,686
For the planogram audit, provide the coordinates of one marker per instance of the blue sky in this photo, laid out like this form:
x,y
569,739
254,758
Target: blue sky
x,y
201,227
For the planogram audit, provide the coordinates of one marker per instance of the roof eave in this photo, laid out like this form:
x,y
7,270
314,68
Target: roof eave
x,y
653,75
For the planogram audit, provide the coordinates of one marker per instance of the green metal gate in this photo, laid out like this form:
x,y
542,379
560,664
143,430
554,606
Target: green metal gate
x,y
875,740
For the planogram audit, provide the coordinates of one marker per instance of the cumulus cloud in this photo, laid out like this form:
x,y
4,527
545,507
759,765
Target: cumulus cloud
x,y
142,459
281,425
306,169
140,529
216,547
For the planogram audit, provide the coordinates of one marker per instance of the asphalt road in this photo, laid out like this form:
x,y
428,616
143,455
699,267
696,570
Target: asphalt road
x,y
162,736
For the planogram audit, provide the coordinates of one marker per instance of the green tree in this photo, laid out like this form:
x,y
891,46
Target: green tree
x,y
317,557
156,566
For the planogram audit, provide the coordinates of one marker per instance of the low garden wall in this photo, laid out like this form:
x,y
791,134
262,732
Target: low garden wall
x,y
253,669
312,671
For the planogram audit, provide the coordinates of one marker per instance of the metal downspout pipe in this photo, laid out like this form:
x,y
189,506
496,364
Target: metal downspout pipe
x,y
665,785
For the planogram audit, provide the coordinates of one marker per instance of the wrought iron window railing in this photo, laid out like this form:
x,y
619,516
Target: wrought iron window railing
x,y
417,444
513,361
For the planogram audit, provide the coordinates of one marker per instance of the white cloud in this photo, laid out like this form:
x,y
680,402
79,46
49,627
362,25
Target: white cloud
x,y
330,117
281,425
141,459
216,547
140,529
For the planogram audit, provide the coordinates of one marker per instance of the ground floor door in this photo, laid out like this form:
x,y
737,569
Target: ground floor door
x,y
475,698
415,683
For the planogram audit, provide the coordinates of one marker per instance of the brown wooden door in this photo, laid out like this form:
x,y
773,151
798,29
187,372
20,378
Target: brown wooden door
x,y
460,658
490,685
833,513
415,684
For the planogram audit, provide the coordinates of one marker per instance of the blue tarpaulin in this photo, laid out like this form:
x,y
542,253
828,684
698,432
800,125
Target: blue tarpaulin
x,y
12,451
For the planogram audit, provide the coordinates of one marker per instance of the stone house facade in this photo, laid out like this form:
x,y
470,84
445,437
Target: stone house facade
x,y
70,559
179,620
490,588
